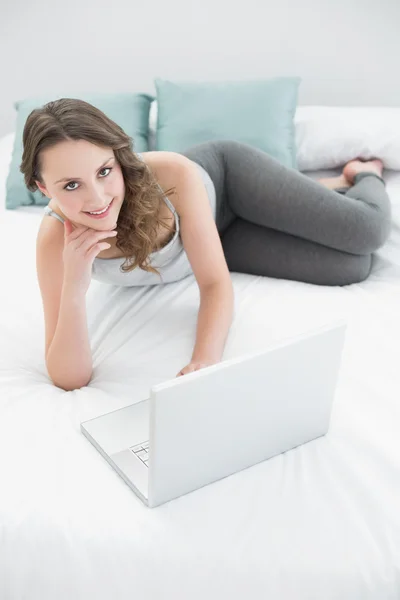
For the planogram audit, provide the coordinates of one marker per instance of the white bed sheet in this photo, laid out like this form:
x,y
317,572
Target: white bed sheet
x,y
320,521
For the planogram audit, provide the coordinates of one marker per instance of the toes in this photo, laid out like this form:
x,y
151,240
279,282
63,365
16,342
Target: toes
x,y
379,162
348,172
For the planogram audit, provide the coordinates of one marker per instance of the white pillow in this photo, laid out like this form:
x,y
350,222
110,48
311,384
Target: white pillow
x,y
152,125
329,136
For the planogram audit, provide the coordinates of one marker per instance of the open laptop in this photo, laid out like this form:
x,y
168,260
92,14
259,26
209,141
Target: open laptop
x,y
206,425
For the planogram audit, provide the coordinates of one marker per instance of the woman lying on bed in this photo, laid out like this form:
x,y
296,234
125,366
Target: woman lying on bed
x,y
144,219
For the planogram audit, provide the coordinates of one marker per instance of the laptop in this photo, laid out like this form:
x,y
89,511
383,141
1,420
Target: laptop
x,y
196,429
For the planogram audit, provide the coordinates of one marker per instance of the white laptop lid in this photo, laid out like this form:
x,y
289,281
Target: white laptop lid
x,y
267,403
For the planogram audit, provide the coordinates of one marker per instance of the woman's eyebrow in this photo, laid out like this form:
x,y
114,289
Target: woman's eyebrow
x,y
78,178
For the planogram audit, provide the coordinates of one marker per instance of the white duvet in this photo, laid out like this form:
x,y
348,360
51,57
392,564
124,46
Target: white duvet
x,y
319,522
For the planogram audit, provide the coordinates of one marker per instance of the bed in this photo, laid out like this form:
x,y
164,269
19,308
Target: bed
x,y
319,521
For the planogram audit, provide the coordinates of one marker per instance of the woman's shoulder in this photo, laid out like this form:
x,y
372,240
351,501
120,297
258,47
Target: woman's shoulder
x,y
51,230
56,209
168,168
160,160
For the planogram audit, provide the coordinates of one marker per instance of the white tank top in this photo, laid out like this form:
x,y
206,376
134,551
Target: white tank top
x,y
171,261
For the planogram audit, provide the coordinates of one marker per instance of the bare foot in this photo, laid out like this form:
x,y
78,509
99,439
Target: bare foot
x,y
353,167
334,183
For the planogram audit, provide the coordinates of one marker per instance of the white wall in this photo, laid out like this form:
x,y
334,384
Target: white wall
x,y
346,51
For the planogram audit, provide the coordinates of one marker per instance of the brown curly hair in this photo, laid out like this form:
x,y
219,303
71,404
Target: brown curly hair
x,y
74,119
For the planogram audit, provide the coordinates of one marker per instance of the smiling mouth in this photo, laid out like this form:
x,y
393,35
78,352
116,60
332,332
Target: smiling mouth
x,y
104,211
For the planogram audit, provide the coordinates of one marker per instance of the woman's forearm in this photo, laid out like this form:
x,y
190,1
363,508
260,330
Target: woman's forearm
x,y
68,359
214,321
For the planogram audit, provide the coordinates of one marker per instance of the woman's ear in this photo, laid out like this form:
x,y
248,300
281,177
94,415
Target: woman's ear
x,y
42,189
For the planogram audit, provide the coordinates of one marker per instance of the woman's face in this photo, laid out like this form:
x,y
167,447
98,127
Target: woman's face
x,y
91,178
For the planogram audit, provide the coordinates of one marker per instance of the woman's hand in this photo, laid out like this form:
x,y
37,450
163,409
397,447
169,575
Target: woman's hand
x,y
195,366
81,246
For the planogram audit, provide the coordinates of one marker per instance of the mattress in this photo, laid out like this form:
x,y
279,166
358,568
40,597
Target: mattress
x,y
319,521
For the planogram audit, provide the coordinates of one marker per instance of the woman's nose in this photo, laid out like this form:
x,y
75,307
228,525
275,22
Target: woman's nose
x,y
97,197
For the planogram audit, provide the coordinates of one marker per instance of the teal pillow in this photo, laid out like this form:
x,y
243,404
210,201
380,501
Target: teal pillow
x,y
129,111
259,113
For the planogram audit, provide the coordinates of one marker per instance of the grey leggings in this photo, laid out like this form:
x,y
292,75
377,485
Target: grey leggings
x,y
277,222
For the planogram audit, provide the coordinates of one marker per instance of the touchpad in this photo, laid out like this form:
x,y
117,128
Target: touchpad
x,y
121,428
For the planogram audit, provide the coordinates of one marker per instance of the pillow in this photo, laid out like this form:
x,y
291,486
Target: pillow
x,y
153,126
6,147
259,113
329,136
129,111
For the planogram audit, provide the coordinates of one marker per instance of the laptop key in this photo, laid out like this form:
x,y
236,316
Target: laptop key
x,y
136,448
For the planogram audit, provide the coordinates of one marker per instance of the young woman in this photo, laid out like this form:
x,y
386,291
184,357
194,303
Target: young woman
x,y
144,219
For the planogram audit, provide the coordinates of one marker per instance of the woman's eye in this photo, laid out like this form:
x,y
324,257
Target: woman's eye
x,y
69,189
74,182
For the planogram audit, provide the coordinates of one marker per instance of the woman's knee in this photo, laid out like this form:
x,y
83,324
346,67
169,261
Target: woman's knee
x,y
370,238
373,224
353,270
379,233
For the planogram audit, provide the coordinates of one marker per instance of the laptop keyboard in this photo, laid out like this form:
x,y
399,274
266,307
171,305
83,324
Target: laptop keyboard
x,y
141,451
